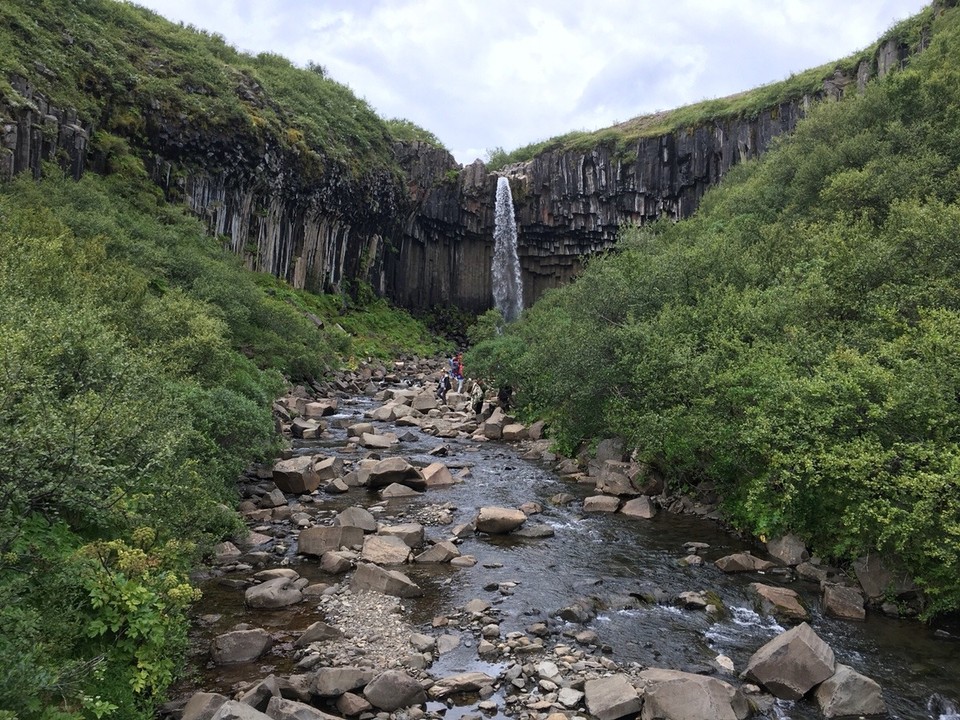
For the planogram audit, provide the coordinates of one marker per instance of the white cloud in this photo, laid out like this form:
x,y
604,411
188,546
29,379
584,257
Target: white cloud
x,y
508,72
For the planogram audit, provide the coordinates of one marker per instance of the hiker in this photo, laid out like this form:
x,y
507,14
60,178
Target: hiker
x,y
476,396
503,395
443,387
458,371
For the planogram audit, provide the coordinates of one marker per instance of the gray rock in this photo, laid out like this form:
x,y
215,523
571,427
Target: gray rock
x,y
742,562
233,710
259,695
240,646
498,520
395,470
410,533
842,602
455,684
848,692
789,549
282,709
316,632
275,593
437,475
336,562
318,540
394,689
440,552
385,550
780,602
202,706
351,705
357,517
601,503
641,507
334,681
792,663
675,695
388,582
398,490
611,697
296,475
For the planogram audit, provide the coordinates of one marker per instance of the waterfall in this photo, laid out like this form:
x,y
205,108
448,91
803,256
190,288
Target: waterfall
x,y
507,283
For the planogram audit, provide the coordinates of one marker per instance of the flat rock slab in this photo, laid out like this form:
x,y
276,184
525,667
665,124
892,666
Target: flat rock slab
x,y
742,562
686,696
611,697
455,684
388,582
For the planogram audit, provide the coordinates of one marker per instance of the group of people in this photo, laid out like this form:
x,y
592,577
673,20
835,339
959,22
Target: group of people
x,y
455,373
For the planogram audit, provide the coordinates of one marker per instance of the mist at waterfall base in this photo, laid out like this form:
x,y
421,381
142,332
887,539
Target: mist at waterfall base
x,y
507,283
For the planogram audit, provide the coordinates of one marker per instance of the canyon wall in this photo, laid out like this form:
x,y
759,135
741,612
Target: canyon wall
x,y
423,235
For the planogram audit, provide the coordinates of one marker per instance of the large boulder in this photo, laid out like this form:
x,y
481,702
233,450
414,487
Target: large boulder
x,y
611,697
335,681
283,709
789,549
410,533
318,632
792,663
640,507
377,441
499,520
456,684
328,468
780,602
601,503
397,490
275,593
235,710
318,540
847,692
389,582
440,552
296,475
843,602
321,408
742,562
437,475
357,517
385,550
395,470
675,695
394,689
240,646
203,706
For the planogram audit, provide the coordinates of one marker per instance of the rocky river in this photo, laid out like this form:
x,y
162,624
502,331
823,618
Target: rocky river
x,y
411,559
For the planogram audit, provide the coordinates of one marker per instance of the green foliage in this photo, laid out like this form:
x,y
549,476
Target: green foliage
x,y
486,327
796,342
408,131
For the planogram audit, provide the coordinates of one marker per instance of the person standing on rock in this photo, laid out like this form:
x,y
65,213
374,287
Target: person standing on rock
x,y
443,387
476,396
458,371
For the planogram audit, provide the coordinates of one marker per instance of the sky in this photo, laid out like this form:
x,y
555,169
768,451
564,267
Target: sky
x,y
487,74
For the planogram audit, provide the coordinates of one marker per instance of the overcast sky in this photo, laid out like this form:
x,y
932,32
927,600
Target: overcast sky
x,y
482,74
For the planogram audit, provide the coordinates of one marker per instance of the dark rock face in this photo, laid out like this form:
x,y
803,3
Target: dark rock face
x,y
422,236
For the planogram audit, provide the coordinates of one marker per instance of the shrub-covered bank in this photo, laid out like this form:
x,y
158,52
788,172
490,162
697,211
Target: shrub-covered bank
x,y
797,343
138,362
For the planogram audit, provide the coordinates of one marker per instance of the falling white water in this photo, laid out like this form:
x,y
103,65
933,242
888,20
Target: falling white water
x,y
507,283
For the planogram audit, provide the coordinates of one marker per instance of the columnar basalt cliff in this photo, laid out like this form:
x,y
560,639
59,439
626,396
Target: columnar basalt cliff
x,y
423,235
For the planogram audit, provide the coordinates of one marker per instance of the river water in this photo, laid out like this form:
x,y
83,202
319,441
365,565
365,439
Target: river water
x,y
615,560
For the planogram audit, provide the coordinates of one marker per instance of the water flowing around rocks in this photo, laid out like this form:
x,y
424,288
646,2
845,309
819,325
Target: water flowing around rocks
x,y
507,281
539,614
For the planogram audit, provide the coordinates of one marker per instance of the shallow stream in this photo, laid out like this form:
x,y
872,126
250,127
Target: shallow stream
x,y
615,559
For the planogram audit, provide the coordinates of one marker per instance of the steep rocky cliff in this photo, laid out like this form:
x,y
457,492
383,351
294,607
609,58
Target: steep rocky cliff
x,y
422,236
